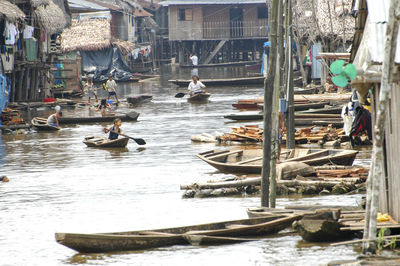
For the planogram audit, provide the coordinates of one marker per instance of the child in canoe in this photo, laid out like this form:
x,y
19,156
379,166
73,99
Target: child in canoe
x,y
116,128
52,120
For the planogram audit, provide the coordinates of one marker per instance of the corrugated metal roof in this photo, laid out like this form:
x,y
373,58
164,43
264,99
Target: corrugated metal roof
x,y
84,5
372,46
210,2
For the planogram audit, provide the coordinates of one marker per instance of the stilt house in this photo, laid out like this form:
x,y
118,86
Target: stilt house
x,y
217,30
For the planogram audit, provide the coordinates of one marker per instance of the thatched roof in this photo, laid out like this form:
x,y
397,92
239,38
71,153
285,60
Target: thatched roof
x,y
51,17
333,18
10,11
87,35
124,46
37,3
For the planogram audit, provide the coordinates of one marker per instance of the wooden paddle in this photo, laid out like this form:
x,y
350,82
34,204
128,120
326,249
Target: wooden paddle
x,y
138,141
180,95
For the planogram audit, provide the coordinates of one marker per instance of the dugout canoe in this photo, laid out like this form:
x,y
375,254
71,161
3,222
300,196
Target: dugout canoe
x,y
41,124
297,107
98,142
132,116
250,161
228,64
201,97
222,82
139,240
139,99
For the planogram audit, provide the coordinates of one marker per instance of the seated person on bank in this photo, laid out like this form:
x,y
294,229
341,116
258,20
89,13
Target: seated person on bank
x,y
115,130
52,120
196,86
103,107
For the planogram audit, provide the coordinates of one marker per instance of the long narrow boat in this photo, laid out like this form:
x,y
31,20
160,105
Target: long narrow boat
x,y
105,143
41,124
201,97
139,240
297,107
132,116
250,161
222,82
139,99
228,64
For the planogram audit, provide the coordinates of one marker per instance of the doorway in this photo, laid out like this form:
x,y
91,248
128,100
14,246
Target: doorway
x,y
236,21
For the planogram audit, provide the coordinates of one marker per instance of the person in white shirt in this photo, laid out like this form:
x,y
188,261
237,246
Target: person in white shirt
x,y
194,58
196,86
111,87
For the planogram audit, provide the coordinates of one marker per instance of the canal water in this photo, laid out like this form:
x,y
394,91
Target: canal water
x,y
59,185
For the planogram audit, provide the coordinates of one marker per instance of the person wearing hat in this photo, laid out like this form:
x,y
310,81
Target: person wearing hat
x,y
196,86
111,87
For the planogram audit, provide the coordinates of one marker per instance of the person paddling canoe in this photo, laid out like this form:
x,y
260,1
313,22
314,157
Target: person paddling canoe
x,y
196,86
116,128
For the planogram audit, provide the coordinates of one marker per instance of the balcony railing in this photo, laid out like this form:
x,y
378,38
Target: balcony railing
x,y
234,29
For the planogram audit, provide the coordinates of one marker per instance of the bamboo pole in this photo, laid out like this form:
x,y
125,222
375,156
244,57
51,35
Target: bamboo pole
x,y
377,164
268,94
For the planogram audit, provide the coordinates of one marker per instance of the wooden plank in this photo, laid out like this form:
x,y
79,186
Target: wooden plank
x,y
225,154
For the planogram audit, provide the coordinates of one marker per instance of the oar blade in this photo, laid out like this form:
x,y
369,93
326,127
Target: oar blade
x,y
180,95
140,141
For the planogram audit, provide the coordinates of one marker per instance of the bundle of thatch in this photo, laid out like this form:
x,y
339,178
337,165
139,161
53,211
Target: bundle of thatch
x,y
124,46
51,17
10,11
87,35
37,3
324,19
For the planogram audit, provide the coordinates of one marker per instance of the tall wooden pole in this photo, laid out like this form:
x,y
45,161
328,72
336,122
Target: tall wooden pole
x,y
268,94
290,130
376,175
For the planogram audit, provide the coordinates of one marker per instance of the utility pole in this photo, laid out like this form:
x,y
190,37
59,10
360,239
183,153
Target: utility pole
x,y
290,140
376,174
268,95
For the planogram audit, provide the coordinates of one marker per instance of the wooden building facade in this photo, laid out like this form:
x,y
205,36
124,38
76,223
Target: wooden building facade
x,y
367,55
219,30
29,45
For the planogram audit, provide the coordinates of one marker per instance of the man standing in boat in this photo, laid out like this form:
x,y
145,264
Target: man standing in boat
x,y
196,86
111,87
195,60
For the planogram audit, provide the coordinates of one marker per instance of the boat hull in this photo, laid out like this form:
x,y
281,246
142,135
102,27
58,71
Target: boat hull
x,y
232,162
214,233
132,116
222,82
105,143
139,99
40,124
202,97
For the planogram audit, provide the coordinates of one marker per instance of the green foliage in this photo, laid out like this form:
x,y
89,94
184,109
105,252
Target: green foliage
x,y
343,73
381,235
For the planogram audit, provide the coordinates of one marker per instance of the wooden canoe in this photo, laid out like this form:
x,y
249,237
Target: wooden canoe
x,y
201,97
139,99
132,116
40,124
250,161
105,143
222,82
297,107
139,240
228,64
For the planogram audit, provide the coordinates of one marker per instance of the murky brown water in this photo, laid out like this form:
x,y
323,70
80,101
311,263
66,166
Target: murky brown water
x,y
59,185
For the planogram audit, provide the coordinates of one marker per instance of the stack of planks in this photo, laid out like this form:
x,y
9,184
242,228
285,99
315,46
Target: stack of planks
x,y
319,134
358,172
242,134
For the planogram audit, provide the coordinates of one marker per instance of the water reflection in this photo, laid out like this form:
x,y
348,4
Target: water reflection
x,y
60,185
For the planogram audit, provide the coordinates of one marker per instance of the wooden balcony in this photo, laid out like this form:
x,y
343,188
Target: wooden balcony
x,y
235,29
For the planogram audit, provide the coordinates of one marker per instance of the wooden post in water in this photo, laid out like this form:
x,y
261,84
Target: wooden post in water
x,y
268,94
376,175
290,140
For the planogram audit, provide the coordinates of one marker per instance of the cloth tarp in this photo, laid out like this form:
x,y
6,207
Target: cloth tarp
x,y
99,64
